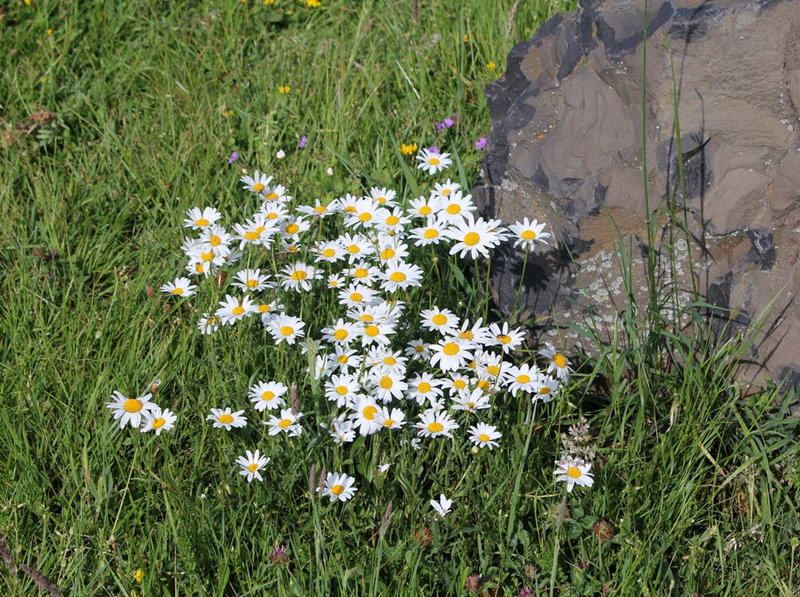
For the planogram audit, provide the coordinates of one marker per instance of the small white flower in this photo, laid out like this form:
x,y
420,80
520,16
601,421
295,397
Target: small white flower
x,y
281,154
442,507
329,171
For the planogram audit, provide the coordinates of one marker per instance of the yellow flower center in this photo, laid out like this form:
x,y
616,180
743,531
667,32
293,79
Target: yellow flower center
x,y
484,384
292,228
365,217
468,335
461,384
446,192
528,235
337,489
389,360
361,273
272,196
178,290
439,319
132,405
372,330
560,361
483,437
425,210
299,275
287,330
341,390
328,253
470,406
284,423
386,382
201,222
369,412
356,297
225,419
387,254
504,339
252,467
263,308
320,209
450,349
574,472
493,370
388,422
272,216
343,359
199,267
433,161
392,220
159,422
544,390
523,379
471,239
435,427
453,209
267,396
431,233
252,283
251,235
353,249
237,310
340,334
419,348
258,187
424,387
207,256
215,240
366,317
397,277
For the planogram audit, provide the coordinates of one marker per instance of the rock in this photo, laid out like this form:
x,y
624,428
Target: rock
x,y
566,147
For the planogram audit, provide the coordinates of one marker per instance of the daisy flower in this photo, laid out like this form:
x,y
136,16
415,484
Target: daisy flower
x,y
383,196
318,210
158,420
208,324
545,388
286,423
274,212
363,418
339,486
418,349
574,472
476,237
443,321
286,328
198,219
522,377
385,357
342,389
226,418
471,402
298,276
477,333
484,436
342,432
363,273
267,395
346,358
336,281
433,163
294,227
455,208
391,222
450,353
558,363
388,384
389,248
356,246
435,424
268,311
180,287
341,332
251,279
445,189
329,251
231,310
507,339
130,410
377,332
528,234
457,384
423,207
424,387
394,419
216,236
257,183
432,232
276,194
251,463
347,204
363,214
357,295
443,506
400,275
491,364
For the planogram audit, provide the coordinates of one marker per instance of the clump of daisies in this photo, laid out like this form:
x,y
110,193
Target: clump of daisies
x,y
140,412
385,366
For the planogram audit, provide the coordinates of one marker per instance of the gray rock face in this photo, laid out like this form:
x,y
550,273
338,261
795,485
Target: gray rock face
x,y
566,147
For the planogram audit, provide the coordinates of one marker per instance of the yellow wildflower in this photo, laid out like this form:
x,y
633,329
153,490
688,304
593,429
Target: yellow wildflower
x,y
138,576
284,89
491,65
408,149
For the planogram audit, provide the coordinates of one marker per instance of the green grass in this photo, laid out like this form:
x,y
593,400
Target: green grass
x,y
140,104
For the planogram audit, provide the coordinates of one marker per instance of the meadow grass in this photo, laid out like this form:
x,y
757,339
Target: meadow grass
x,y
117,118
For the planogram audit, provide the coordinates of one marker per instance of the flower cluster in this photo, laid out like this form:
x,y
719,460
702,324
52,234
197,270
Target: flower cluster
x,y
385,366
578,453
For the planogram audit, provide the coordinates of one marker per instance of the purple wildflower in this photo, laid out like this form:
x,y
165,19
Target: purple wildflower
x,y
439,126
480,143
278,555
525,592
303,141
233,157
448,122
434,149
